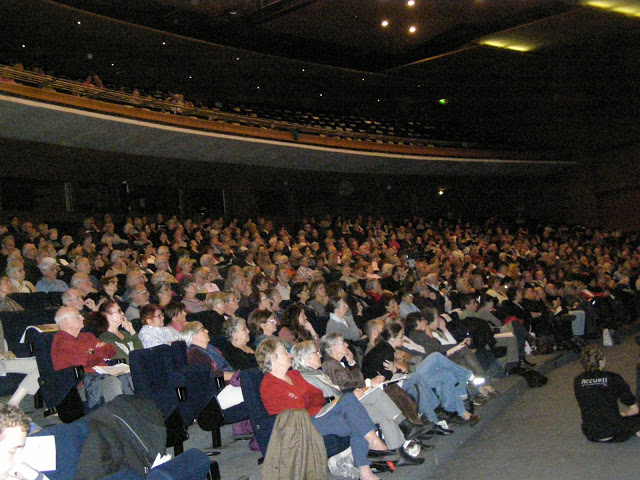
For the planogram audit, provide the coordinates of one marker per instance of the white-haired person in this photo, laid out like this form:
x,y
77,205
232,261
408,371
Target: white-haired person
x,y
397,430
50,281
282,389
200,351
16,273
72,347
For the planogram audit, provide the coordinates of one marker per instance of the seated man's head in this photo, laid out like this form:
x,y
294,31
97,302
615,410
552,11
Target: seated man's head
x,y
14,425
73,298
69,320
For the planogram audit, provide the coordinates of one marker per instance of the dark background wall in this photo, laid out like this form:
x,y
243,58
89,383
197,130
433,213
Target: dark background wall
x,y
65,183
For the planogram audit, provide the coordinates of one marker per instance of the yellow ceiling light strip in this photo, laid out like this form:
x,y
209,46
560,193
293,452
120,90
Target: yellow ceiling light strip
x,y
518,47
626,8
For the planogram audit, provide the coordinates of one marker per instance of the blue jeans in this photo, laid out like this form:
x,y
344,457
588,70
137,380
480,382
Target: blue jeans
x,y
348,418
438,381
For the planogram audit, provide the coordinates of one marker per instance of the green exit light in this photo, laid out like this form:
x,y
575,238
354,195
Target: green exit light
x,y
443,101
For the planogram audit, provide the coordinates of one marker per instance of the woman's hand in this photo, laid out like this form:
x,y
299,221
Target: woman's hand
x,y
128,326
349,357
389,365
377,380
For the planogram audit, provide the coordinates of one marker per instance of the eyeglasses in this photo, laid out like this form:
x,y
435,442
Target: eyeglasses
x,y
315,352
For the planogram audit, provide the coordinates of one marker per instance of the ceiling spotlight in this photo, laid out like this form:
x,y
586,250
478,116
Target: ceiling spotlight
x,y
385,23
164,43
411,3
237,58
24,46
412,29
79,22
441,191
303,69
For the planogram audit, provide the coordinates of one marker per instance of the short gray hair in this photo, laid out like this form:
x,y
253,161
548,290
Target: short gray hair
x,y
189,331
264,351
301,352
47,263
231,326
328,341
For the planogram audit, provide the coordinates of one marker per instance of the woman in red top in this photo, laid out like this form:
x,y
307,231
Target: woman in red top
x,y
282,389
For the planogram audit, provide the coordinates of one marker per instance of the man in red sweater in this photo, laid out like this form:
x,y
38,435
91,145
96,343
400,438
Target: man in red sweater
x,y
71,347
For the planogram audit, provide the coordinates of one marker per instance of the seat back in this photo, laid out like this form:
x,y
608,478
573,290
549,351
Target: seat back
x,y
260,419
162,374
15,323
150,375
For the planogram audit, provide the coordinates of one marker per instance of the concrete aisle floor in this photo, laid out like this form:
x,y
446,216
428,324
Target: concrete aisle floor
x,y
539,437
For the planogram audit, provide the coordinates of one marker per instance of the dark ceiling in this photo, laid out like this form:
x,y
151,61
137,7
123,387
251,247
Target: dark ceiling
x,y
567,80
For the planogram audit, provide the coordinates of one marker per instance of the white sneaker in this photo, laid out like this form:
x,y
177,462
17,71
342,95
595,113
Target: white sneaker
x,y
341,465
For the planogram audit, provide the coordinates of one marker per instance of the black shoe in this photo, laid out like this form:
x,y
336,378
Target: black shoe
x,y
380,467
478,401
411,430
383,455
440,430
406,460
471,421
525,363
425,446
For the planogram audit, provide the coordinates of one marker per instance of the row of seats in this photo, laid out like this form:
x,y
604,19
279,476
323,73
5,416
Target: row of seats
x,y
323,124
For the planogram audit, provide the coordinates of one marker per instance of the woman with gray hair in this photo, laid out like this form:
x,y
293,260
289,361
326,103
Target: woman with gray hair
x,y
397,430
16,273
283,389
199,350
237,350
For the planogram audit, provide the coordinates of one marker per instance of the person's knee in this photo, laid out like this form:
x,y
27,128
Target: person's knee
x,y
111,388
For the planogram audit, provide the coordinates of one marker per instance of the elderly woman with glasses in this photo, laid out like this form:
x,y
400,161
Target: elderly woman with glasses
x,y
396,428
200,351
282,389
16,273
153,331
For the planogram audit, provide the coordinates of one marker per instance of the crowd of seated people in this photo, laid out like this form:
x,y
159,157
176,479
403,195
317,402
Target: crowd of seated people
x,y
439,307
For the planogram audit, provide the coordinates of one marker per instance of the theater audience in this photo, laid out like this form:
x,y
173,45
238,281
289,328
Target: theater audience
x,y
282,389
531,277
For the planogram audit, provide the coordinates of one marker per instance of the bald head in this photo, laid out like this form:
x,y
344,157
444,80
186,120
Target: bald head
x,y
69,320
